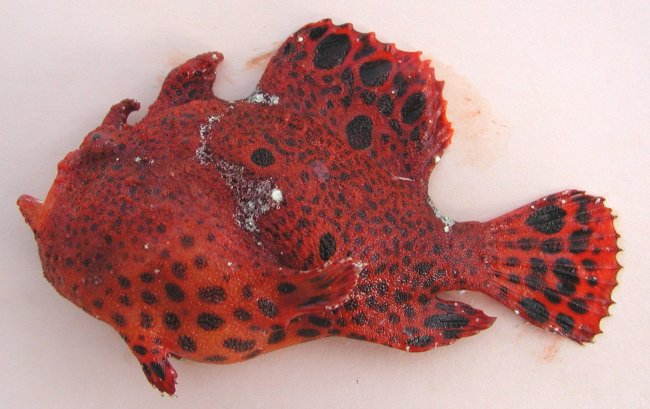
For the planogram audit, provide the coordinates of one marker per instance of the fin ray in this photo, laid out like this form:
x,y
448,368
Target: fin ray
x,y
554,263
439,322
320,289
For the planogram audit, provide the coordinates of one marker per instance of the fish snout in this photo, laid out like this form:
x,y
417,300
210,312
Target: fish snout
x,y
31,209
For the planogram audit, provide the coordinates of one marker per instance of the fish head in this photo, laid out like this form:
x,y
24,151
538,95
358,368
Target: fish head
x,y
69,225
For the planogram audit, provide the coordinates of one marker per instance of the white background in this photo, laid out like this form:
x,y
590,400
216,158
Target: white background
x,y
544,96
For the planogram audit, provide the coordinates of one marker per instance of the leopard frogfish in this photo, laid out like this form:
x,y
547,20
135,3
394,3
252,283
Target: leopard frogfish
x,y
218,230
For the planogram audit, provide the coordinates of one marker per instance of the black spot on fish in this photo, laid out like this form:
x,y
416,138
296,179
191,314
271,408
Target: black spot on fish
x,y
534,282
385,105
413,107
212,295
187,241
242,315
401,297
525,244
423,268
119,319
579,306
551,246
317,32
172,321
238,344
268,308
552,295
582,215
209,321
375,73
420,341
146,320
359,132
548,219
174,292
534,309
276,337
360,318
368,97
148,297
124,282
307,332
579,241
326,246
262,157
200,262
319,321
139,349
179,269
158,370
286,288
565,322
331,51
565,270
187,343
147,278
565,287
445,321
399,84
537,265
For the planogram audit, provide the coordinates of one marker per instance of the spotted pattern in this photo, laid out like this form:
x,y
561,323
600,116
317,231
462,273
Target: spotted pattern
x,y
568,291
351,141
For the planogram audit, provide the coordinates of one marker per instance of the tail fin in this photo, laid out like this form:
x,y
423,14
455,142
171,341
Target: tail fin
x,y
554,263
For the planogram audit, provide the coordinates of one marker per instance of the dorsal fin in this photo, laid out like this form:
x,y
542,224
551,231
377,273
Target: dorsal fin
x,y
192,80
118,114
383,102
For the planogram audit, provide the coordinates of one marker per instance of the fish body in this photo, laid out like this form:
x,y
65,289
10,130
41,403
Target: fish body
x,y
218,230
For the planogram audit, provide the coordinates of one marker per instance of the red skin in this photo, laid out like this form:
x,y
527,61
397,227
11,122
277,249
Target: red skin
x,y
188,231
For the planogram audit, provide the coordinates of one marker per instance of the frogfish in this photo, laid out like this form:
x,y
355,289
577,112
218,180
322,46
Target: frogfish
x,y
218,230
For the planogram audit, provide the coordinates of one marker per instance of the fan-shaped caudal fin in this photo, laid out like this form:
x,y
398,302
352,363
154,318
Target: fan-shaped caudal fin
x,y
117,115
381,102
190,81
554,263
31,208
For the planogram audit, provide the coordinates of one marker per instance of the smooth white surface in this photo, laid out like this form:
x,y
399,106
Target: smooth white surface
x,y
544,96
